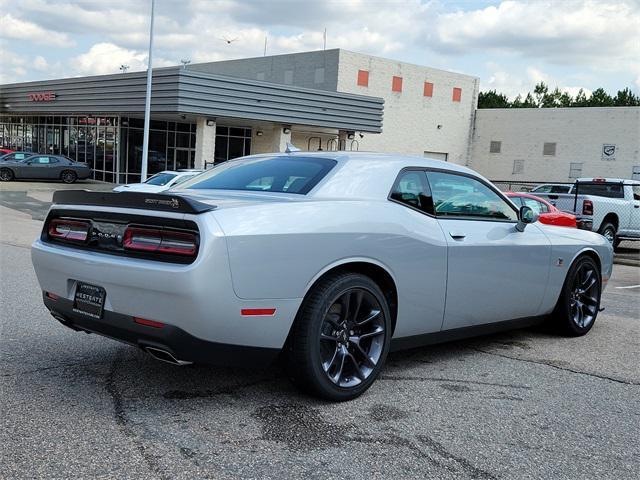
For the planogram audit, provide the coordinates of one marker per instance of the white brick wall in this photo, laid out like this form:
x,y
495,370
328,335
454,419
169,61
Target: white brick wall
x,y
411,120
579,134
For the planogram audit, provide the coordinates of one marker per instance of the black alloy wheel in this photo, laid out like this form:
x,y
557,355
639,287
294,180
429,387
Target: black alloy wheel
x,y
352,337
69,176
340,338
6,175
579,302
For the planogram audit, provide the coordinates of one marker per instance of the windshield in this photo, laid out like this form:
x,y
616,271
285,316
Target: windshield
x,y
271,174
160,179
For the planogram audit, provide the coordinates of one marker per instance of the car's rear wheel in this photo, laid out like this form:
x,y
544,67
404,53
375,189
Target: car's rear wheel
x,y
68,176
579,301
340,338
608,231
6,175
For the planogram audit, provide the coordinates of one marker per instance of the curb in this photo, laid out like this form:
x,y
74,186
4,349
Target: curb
x,y
626,261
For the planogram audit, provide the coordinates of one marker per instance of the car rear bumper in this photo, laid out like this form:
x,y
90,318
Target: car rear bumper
x,y
182,346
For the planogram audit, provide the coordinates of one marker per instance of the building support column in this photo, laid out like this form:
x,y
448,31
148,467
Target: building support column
x,y
342,140
280,138
205,142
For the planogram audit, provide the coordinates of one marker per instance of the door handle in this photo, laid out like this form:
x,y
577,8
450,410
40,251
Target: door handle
x,y
458,235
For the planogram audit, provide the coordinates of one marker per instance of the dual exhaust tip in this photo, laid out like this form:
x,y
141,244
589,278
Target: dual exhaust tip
x,y
164,356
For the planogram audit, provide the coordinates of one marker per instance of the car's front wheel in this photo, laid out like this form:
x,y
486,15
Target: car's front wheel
x,y
340,338
6,175
579,301
69,176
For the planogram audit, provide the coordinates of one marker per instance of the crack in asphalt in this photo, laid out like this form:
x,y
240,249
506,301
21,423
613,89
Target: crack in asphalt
x,y
123,422
465,464
401,378
558,367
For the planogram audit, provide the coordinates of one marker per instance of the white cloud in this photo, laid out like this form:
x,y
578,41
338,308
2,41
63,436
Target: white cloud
x,y
40,63
104,58
603,33
16,28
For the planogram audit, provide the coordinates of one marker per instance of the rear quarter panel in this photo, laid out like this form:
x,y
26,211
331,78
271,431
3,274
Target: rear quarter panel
x,y
279,251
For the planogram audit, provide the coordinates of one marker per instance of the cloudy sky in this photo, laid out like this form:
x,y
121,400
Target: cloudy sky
x,y
510,45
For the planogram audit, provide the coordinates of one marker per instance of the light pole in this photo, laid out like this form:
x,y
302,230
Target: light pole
x,y
147,103
124,68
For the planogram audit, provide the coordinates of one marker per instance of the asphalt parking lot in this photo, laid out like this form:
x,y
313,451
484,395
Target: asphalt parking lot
x,y
523,404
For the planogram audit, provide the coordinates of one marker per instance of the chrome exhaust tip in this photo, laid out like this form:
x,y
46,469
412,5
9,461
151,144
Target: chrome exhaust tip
x,y
165,356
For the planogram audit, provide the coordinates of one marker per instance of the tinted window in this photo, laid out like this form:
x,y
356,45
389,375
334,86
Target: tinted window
x,y
276,174
183,179
516,200
411,188
535,205
552,189
462,196
40,160
609,190
636,192
160,179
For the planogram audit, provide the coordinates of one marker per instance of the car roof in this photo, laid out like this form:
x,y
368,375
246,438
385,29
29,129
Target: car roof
x,y
344,156
608,180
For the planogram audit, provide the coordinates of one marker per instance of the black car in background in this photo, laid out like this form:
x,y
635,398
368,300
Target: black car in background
x,y
42,167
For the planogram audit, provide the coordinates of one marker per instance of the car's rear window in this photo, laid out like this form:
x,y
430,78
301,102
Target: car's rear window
x,y
160,179
273,174
609,190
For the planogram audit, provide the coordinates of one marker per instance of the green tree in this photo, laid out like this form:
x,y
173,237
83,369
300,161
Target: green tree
x,y
530,102
600,98
492,99
626,98
581,99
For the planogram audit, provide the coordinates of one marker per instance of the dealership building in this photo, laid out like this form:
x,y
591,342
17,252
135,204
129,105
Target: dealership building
x,y
324,100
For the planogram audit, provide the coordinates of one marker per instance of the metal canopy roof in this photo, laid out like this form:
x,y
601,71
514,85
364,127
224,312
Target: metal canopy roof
x,y
178,90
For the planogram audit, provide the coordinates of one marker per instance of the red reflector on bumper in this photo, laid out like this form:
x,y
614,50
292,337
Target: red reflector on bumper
x,y
147,323
252,312
52,296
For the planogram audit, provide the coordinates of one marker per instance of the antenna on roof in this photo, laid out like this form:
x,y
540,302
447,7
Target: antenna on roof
x,y
291,148
185,62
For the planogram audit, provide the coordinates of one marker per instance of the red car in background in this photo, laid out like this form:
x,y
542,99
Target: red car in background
x,y
549,214
4,151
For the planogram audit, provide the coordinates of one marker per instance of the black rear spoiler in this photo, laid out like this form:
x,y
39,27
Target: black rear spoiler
x,y
140,200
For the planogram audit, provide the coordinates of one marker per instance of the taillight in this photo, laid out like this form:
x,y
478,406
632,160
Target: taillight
x,y
71,230
160,241
587,207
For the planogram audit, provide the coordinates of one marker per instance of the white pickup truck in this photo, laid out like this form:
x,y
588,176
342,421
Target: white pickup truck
x,y
609,206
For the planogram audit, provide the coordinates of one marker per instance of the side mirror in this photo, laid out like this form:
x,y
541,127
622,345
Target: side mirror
x,y
526,216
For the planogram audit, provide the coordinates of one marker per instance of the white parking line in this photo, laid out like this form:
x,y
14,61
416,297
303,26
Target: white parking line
x,y
630,286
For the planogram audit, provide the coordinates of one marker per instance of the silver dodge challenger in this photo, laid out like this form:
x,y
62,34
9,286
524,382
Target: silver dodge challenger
x,y
327,260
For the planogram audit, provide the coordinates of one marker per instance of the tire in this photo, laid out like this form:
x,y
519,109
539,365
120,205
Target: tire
x,y
608,230
576,312
340,338
68,176
6,175
616,244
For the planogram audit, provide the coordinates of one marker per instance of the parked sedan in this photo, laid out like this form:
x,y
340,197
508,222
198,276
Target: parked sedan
x,y
45,167
329,259
159,182
15,156
548,213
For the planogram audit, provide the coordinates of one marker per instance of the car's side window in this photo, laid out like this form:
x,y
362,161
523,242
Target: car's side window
x,y
461,196
41,160
535,205
516,200
412,189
